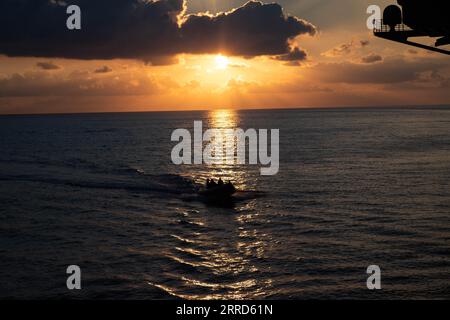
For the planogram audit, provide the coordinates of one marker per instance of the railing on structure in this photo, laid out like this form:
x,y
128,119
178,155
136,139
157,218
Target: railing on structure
x,y
380,27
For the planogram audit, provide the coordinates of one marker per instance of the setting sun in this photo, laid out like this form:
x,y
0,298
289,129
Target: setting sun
x,y
222,62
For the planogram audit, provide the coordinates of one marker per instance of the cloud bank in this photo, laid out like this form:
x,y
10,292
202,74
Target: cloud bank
x,y
152,31
388,71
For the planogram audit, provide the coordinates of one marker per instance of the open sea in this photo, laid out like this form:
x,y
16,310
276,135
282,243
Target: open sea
x,y
356,187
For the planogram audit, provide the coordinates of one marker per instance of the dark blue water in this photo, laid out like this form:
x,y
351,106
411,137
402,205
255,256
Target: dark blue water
x,y
355,188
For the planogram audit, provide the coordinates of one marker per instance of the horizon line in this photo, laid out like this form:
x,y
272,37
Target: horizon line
x,y
310,108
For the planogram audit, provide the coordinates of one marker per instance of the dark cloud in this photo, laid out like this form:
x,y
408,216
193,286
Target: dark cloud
x,y
372,58
147,30
47,66
294,57
253,29
104,69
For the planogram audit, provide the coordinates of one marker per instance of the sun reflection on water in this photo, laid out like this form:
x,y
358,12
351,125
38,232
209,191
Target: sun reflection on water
x,y
223,119
219,260
224,166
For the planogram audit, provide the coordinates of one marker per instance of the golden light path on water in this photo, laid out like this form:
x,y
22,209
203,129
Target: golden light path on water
x,y
226,243
223,121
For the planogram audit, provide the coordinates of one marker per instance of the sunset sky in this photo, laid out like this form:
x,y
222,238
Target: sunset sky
x,y
136,55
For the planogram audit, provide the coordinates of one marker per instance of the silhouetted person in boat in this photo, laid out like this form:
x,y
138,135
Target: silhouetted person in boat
x,y
230,186
212,184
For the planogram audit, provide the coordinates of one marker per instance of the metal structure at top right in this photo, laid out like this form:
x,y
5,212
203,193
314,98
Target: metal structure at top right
x,y
416,18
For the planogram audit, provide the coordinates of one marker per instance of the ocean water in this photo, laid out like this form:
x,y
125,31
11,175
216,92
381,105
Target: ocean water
x,y
356,187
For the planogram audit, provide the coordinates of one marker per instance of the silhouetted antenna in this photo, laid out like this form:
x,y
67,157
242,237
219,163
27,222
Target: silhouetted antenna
x,y
392,16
